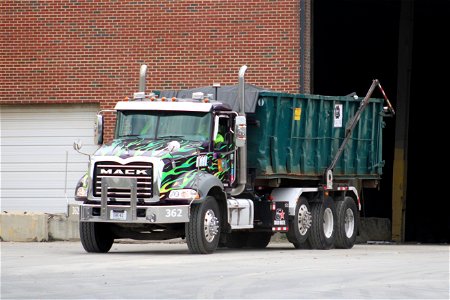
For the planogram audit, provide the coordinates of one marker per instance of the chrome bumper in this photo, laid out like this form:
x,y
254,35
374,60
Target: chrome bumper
x,y
128,214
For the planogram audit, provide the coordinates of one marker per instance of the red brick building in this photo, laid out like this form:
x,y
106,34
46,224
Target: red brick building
x,y
86,55
70,51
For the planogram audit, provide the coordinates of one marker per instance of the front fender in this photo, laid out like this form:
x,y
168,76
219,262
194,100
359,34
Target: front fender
x,y
198,180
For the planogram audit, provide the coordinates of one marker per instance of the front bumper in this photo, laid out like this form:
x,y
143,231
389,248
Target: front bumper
x,y
134,214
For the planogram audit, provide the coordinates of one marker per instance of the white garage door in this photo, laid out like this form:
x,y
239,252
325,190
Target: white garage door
x,y
35,142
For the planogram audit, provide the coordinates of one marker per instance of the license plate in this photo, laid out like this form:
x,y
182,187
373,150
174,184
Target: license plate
x,y
120,215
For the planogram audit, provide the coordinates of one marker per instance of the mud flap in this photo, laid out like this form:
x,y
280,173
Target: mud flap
x,y
280,216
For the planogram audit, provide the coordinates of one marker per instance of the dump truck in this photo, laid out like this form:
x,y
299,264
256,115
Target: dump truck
x,y
285,163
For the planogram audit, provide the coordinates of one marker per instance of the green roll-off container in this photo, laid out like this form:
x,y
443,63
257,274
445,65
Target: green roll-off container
x,y
298,135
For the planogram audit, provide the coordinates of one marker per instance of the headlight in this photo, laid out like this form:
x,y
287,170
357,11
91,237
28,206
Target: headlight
x,y
81,192
81,189
184,194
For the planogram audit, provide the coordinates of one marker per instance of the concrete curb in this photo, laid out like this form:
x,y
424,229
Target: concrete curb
x,y
44,227
39,227
23,227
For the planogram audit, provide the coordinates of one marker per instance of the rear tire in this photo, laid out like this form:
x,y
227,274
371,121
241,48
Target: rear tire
x,y
203,229
300,225
347,228
96,237
324,224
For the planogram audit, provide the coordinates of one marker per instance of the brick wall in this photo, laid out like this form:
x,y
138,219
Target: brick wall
x,y
65,51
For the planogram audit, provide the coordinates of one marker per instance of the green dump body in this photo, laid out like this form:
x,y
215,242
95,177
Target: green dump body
x,y
298,135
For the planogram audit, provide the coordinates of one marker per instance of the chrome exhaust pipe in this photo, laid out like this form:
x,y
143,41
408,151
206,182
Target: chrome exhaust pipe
x,y
242,150
142,78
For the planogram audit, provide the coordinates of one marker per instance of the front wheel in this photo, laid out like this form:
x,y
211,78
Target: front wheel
x,y
347,223
96,237
203,229
324,224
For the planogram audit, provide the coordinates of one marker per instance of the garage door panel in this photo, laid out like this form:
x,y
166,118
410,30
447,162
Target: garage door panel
x,y
46,132
45,153
36,141
50,109
43,149
50,124
37,193
57,158
39,167
50,205
61,139
43,180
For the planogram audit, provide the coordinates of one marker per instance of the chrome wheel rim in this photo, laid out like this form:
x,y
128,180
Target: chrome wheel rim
x,y
210,225
328,223
349,224
304,219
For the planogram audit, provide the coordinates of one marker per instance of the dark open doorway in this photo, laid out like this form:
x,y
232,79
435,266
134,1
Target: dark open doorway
x,y
357,41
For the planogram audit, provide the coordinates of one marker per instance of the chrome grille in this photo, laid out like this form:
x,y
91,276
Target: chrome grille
x,y
143,172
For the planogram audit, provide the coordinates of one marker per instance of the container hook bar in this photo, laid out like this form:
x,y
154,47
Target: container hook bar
x,y
349,129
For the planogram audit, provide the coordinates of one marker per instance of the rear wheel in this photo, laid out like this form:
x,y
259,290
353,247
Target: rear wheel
x,y
347,228
324,224
203,229
96,237
299,226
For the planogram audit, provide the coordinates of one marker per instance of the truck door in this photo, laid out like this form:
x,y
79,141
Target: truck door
x,y
224,154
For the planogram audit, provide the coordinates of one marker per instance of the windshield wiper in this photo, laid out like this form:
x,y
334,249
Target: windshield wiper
x,y
171,137
131,135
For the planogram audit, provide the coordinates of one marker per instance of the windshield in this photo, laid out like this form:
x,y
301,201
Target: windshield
x,y
193,126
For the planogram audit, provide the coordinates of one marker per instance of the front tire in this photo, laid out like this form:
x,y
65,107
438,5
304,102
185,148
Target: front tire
x,y
324,224
347,228
299,226
203,229
96,237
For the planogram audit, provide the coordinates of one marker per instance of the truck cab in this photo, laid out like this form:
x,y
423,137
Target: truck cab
x,y
163,169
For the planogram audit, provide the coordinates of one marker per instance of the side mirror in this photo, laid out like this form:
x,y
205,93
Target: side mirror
x,y
77,145
98,130
240,131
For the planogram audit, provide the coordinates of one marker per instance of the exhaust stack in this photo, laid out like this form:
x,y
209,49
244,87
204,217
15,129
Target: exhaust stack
x,y
241,91
242,150
142,78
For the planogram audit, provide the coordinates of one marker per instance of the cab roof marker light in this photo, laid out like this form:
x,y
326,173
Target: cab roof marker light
x,y
139,96
197,96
